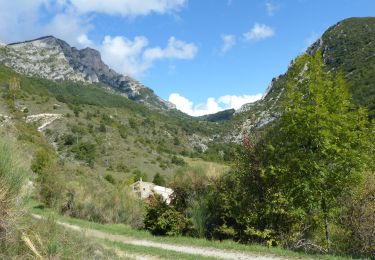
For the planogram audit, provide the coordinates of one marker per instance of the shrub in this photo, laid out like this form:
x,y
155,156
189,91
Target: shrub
x,y
40,161
138,174
69,139
85,152
110,179
102,128
163,220
51,185
123,131
358,219
159,179
178,161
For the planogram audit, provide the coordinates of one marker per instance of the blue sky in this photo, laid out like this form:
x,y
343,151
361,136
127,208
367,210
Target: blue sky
x,y
203,55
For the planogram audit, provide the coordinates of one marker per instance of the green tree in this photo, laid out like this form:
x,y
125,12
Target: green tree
x,y
319,144
290,175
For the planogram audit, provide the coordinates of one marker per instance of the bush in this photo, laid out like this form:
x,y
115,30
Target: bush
x,y
123,131
163,220
358,219
51,185
69,139
178,161
85,152
110,179
159,179
40,161
102,128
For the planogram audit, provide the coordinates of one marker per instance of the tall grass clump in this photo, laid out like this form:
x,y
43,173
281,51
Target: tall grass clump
x,y
11,182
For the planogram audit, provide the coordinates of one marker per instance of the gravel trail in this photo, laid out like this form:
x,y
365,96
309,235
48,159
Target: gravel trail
x,y
199,251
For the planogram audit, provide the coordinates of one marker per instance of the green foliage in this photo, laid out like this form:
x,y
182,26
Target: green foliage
x,y
137,175
51,185
177,160
319,147
123,131
159,180
163,220
219,116
12,178
349,48
289,178
357,220
40,161
69,139
110,179
102,128
85,151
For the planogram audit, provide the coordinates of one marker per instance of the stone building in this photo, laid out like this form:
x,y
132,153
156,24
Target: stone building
x,y
145,190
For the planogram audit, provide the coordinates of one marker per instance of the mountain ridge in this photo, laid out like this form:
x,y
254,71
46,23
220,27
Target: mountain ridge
x,y
53,58
346,46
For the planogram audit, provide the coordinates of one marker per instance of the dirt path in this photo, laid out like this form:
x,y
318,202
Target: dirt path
x,y
199,251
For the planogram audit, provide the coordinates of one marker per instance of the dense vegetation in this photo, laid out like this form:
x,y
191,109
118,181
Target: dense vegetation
x,y
23,237
295,182
349,47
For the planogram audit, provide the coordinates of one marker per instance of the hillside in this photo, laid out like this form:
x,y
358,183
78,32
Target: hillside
x,y
123,136
84,133
347,47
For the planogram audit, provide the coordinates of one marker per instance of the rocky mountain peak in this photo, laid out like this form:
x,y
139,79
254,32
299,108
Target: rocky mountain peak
x,y
52,58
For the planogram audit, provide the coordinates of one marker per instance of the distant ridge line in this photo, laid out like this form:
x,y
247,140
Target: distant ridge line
x,y
33,40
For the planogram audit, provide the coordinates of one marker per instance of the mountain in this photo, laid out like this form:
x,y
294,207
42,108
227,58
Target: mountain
x,y
348,47
54,59
219,116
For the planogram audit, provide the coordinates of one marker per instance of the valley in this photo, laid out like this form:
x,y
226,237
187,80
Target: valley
x,y
283,177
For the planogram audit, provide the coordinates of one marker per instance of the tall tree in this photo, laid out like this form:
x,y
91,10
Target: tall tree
x,y
290,176
319,146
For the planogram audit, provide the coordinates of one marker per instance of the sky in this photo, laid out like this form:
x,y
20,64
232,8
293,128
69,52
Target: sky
x,y
202,55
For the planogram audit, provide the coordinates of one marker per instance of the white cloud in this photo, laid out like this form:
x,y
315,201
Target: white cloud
x,y
71,21
70,27
212,105
124,55
128,8
233,101
84,40
259,32
271,8
175,49
18,18
133,57
229,41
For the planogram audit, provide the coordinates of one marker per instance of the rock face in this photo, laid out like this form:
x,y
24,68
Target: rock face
x,y
54,59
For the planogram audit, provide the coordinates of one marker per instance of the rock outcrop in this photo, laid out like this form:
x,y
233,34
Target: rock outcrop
x,y
54,59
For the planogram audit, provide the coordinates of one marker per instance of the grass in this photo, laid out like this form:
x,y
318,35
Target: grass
x,y
120,229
